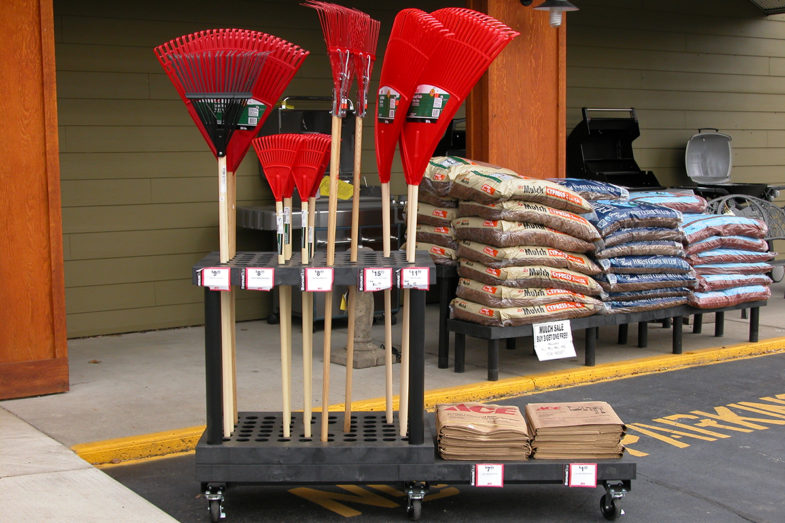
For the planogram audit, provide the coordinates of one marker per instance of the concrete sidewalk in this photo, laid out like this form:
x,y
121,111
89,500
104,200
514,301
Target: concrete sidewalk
x,y
131,385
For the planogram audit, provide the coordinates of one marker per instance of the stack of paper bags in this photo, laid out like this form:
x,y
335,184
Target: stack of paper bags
x,y
477,431
575,430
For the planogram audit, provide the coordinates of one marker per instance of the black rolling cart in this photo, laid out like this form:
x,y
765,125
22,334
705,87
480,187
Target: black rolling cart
x,y
256,453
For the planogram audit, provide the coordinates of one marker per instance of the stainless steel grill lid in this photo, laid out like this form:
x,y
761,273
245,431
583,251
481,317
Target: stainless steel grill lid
x,y
708,157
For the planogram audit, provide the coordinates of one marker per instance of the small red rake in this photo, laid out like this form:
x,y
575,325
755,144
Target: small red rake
x,y
277,154
414,35
454,68
308,170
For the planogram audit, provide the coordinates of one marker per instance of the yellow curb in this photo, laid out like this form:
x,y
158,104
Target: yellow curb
x,y
140,448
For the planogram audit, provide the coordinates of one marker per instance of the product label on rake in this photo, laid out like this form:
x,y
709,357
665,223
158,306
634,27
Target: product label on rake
x,y
389,99
216,278
427,103
259,279
376,279
415,278
249,118
318,279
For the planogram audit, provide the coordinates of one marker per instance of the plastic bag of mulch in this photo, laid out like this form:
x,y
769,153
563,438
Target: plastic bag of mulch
x,y
641,282
531,276
593,189
682,201
744,243
436,200
640,234
491,187
698,227
730,256
503,233
718,282
510,316
439,254
503,296
610,216
666,292
442,171
647,304
431,215
443,235
519,211
645,264
645,248
733,268
729,297
518,256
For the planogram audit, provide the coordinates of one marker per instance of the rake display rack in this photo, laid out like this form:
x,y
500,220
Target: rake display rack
x,y
256,453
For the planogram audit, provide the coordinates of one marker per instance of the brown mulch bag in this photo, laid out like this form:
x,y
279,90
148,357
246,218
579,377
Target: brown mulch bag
x,y
439,254
655,248
432,215
442,171
502,233
489,187
425,196
437,234
511,316
477,431
532,276
519,211
518,256
502,296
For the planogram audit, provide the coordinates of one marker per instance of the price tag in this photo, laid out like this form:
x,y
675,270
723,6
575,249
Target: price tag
x,y
415,278
582,475
553,340
216,278
377,279
489,475
259,279
318,279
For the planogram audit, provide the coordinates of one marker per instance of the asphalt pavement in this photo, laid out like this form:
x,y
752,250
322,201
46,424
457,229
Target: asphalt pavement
x,y
709,443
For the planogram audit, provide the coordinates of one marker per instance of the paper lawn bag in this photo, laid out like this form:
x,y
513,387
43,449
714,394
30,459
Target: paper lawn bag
x,y
477,431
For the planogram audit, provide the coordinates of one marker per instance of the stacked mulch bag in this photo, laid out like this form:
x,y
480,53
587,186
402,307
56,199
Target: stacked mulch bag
x,y
476,431
522,250
729,255
642,254
575,430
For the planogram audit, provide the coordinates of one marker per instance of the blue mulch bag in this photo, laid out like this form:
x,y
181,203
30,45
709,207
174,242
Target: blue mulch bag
x,y
593,189
745,243
698,227
650,304
730,297
611,216
645,264
733,268
643,248
632,234
640,282
730,256
717,282
666,292
680,201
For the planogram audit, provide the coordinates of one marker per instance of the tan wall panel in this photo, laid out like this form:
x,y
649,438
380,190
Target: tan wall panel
x,y
105,192
130,269
118,244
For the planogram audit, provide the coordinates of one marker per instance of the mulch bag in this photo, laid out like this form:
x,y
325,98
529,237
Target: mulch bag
x,y
439,254
531,276
648,304
643,248
645,264
503,296
611,216
437,234
684,201
442,170
425,196
698,227
745,243
729,297
666,292
510,316
640,282
593,189
641,234
733,268
498,257
519,211
730,256
503,233
490,187
718,282
432,215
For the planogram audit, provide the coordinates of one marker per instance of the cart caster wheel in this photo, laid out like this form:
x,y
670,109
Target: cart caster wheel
x,y
273,319
608,508
414,510
215,511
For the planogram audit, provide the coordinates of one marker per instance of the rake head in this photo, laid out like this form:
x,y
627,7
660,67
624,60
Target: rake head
x,y
277,153
309,165
364,41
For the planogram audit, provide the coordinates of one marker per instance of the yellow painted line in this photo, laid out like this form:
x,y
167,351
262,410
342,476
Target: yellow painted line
x,y
143,447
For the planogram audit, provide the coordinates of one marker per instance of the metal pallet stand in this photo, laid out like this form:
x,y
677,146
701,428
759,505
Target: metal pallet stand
x,y
256,453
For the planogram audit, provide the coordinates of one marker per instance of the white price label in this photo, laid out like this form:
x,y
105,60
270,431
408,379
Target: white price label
x,y
279,223
259,279
217,278
415,278
582,475
489,475
553,340
377,279
318,279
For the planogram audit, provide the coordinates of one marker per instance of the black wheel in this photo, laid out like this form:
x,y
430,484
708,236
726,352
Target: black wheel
x,y
215,511
608,508
414,510
273,319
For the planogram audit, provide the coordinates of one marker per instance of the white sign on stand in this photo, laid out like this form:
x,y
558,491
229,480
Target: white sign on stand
x,y
216,278
377,279
318,279
553,340
415,278
488,475
582,475
259,279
